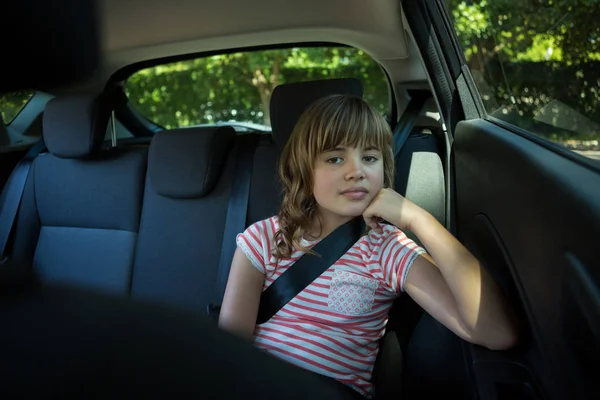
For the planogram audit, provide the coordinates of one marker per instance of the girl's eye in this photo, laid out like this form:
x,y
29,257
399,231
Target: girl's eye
x,y
334,160
370,159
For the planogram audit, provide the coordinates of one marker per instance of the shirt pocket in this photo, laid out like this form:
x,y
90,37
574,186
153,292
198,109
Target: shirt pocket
x,y
351,293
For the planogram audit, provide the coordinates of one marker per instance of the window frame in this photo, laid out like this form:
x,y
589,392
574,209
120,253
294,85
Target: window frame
x,y
139,125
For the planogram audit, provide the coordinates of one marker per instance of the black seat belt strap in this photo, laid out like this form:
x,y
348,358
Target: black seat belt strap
x,y
408,119
237,209
13,192
308,268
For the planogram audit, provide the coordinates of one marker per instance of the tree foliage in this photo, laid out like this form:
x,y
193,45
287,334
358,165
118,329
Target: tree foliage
x,y
12,103
536,62
238,86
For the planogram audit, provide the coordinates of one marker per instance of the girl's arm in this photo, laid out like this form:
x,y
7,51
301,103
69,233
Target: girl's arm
x,y
452,286
242,297
449,283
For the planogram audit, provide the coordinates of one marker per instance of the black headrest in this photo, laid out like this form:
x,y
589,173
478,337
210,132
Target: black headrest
x,y
75,125
186,163
289,100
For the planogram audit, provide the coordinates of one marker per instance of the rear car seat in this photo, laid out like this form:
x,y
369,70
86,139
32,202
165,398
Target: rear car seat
x,y
190,172
80,211
183,217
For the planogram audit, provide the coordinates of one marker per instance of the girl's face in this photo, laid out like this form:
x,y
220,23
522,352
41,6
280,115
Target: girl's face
x,y
346,179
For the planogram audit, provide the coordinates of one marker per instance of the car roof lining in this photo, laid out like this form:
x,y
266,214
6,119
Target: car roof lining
x,y
140,30
126,24
143,30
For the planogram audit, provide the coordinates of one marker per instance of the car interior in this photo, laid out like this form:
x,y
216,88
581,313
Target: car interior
x,y
110,203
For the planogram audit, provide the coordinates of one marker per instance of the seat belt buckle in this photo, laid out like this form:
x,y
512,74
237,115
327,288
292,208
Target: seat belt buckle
x,y
213,310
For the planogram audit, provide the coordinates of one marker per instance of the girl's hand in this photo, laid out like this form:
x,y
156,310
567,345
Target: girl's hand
x,y
392,207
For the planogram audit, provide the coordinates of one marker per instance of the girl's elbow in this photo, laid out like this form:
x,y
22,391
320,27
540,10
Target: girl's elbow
x,y
503,339
505,342
236,328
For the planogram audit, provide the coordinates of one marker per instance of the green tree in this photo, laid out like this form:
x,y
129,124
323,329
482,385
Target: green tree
x,y
238,86
530,58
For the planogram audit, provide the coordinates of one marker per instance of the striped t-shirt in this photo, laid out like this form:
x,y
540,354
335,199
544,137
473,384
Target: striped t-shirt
x,y
333,326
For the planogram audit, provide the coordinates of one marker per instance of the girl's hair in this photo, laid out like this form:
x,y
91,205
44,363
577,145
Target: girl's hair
x,y
336,120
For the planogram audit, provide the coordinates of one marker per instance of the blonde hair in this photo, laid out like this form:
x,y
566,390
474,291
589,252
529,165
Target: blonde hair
x,y
336,120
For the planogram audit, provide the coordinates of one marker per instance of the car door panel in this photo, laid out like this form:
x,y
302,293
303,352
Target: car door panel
x,y
533,217
502,374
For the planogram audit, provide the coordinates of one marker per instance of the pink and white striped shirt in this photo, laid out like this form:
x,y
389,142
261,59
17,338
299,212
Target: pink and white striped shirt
x,y
334,325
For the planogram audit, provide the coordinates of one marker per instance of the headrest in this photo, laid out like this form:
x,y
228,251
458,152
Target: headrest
x,y
186,163
289,100
75,125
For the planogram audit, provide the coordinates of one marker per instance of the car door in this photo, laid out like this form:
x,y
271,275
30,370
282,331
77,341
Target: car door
x,y
524,190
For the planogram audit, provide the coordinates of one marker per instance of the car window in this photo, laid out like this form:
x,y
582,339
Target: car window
x,y
537,65
237,87
12,103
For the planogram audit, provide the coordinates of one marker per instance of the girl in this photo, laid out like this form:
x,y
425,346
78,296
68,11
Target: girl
x,y
338,165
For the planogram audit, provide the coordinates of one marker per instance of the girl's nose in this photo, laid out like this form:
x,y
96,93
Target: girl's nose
x,y
355,169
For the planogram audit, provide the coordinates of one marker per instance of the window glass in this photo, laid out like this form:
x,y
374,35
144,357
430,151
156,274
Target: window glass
x,y
237,87
12,103
537,65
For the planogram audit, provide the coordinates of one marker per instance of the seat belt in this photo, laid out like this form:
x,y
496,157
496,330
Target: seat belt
x,y
409,118
308,268
237,208
13,192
